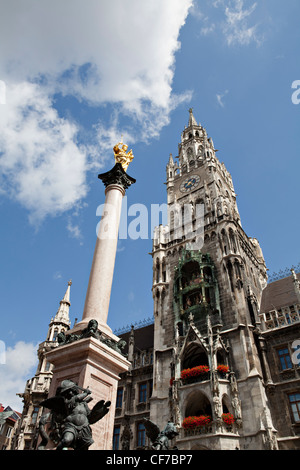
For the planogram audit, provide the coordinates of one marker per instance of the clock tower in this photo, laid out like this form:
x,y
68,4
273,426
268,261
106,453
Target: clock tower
x,y
208,278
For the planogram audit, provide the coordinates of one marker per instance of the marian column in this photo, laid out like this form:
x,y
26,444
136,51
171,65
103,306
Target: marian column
x,y
116,181
90,355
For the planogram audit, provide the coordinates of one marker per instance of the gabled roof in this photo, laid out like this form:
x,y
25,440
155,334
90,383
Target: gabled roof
x,y
143,338
279,294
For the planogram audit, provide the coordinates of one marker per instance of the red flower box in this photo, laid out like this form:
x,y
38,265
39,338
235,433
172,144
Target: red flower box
x,y
192,422
222,368
228,418
194,372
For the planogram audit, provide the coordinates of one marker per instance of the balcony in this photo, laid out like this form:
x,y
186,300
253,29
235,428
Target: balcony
x,y
210,429
280,318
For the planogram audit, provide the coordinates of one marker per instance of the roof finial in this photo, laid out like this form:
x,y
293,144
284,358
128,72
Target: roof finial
x,y
192,120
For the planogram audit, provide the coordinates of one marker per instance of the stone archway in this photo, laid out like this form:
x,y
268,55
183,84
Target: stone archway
x,y
197,404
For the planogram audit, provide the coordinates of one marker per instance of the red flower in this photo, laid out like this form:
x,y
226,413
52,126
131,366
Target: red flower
x,y
222,368
228,418
171,381
194,372
192,422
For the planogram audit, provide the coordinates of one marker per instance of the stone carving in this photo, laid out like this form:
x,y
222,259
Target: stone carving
x,y
70,417
91,331
117,346
117,175
160,439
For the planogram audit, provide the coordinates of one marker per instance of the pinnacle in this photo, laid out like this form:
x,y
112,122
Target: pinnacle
x,y
192,120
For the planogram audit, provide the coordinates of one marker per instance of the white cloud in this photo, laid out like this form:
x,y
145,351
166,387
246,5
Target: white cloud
x,y
41,165
236,28
232,20
57,275
208,29
75,231
21,363
120,53
220,97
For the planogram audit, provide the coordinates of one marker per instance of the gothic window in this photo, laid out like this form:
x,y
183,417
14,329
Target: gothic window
x,y
55,334
194,356
221,358
157,270
284,358
225,404
143,392
232,240
141,435
198,404
230,274
237,269
189,152
184,168
116,438
119,401
34,414
164,271
294,400
224,242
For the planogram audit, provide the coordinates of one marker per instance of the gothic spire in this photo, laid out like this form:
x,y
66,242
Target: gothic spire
x,y
192,120
62,314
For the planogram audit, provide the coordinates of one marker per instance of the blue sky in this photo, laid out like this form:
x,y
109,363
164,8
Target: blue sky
x,y
75,80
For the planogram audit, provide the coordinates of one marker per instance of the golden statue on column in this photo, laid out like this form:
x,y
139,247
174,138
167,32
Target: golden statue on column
x,y
121,156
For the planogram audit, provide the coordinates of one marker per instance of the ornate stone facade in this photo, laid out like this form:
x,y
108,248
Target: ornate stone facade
x,y
208,282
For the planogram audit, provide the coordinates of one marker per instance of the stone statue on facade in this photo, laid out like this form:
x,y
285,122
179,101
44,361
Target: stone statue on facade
x,y
70,417
160,439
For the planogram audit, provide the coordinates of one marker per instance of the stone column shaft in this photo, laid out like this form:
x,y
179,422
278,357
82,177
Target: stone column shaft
x,y
102,270
97,299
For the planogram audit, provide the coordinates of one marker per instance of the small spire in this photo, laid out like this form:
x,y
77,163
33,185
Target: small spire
x,y
171,161
66,298
62,314
192,120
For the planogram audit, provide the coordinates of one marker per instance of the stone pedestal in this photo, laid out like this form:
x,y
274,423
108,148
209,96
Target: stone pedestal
x,y
91,363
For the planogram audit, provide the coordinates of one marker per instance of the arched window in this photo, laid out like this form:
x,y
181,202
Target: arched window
x,y
224,242
55,334
157,270
230,274
194,356
198,404
232,240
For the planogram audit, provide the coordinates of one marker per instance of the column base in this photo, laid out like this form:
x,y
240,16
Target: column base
x,y
103,327
91,363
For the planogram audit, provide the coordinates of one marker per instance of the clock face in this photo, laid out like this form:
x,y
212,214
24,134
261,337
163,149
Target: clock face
x,y
190,183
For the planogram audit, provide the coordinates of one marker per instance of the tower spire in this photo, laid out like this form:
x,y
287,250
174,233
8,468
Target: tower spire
x,y
62,314
192,120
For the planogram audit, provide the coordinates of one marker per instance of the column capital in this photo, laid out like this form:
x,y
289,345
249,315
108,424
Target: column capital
x,y
117,176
